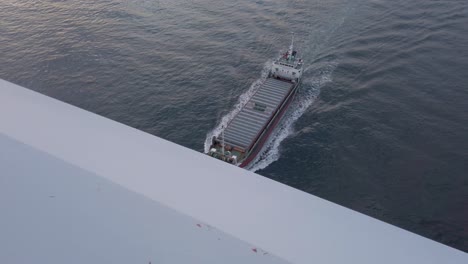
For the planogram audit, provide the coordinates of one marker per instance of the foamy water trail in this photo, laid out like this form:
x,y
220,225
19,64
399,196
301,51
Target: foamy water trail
x,y
243,99
314,78
306,95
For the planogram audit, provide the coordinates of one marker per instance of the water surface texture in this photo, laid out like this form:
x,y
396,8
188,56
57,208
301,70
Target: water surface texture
x,y
380,124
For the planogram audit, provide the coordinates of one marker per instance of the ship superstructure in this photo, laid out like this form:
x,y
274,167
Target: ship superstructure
x,y
244,136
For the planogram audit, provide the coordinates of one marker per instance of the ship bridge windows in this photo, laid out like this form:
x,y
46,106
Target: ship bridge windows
x,y
287,65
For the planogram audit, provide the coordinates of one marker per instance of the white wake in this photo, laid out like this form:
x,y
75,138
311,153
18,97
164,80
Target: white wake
x,y
314,79
308,92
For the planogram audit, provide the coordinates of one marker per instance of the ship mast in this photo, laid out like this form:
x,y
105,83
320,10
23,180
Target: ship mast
x,y
291,47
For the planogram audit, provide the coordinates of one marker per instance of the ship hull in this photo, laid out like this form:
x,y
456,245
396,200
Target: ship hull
x,y
245,135
241,146
260,142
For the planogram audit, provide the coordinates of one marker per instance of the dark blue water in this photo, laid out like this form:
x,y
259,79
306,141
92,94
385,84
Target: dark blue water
x,y
380,124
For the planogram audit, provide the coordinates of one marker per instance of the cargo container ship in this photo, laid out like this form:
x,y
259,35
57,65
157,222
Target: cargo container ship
x,y
244,136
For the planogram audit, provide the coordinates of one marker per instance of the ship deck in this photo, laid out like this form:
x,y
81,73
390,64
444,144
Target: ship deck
x,y
251,120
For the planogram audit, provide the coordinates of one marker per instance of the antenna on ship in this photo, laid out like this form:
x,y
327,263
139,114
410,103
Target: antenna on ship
x,y
291,48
